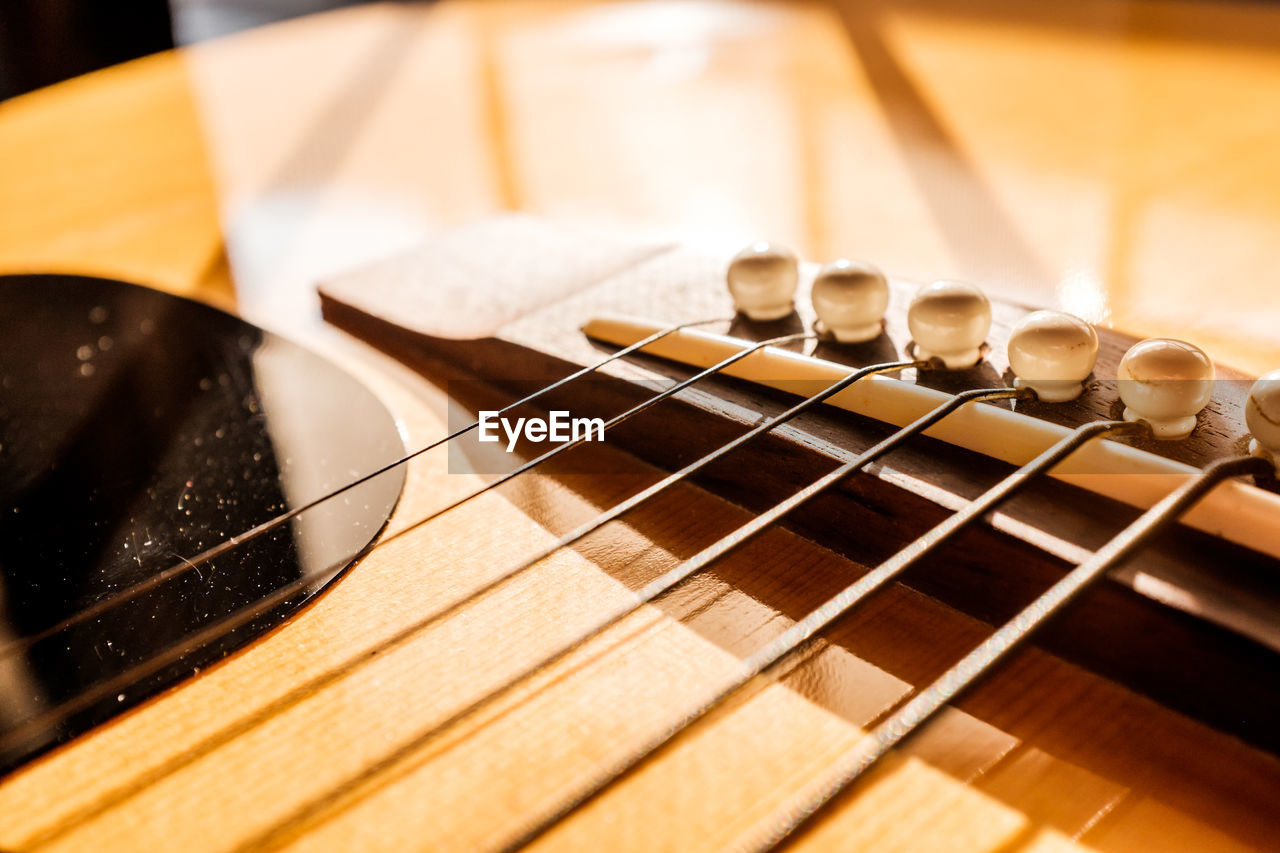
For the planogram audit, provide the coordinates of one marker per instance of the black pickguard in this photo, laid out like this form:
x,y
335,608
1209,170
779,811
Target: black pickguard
x,y
138,429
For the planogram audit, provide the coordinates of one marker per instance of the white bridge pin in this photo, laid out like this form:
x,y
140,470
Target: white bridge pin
x,y
1052,353
1165,383
762,279
850,298
949,320
1262,414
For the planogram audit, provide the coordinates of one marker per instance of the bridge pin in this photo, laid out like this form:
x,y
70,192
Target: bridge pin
x,y
850,298
1262,414
1052,353
949,320
1165,383
762,279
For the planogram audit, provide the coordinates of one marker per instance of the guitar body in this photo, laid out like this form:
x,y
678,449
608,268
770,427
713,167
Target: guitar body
x,y
1130,725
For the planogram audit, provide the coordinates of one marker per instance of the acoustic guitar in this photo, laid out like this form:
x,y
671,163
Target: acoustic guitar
x,y
349,617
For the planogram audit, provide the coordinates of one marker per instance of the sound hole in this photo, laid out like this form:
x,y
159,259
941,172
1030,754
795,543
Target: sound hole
x,y
138,429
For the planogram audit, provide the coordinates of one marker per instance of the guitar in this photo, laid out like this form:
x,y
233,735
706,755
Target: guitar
x,y
462,687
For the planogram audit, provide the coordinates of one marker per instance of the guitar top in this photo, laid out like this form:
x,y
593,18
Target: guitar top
x,y
461,688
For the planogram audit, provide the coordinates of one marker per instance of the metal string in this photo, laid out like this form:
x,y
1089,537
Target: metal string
x,y
991,652
643,596
802,631
90,695
604,518
155,580
838,605
668,580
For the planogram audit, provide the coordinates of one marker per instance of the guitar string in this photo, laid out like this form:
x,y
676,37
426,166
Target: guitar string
x,y
668,481
769,424
104,689
641,597
826,393
332,674
186,565
989,654
774,652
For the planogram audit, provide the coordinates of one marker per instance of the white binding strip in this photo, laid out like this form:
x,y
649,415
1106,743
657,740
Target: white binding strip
x,y
1236,510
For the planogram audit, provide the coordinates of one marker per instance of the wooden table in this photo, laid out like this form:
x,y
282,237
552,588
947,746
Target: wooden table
x,y
1115,159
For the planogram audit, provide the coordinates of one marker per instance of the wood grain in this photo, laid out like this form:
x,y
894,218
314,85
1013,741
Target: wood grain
x,y
107,175
317,735
1115,158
